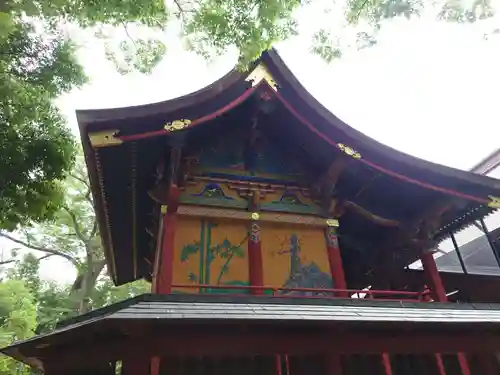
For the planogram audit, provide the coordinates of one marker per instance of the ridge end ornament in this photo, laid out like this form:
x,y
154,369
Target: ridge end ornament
x,y
259,74
349,151
494,202
177,125
104,138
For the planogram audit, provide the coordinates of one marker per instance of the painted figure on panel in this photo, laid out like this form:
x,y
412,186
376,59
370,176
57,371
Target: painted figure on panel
x,y
210,255
303,275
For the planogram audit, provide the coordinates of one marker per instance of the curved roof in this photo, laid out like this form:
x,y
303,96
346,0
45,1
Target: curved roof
x,y
140,132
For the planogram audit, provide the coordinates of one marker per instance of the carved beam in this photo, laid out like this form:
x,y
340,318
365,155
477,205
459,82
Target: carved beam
x,y
415,236
322,190
370,216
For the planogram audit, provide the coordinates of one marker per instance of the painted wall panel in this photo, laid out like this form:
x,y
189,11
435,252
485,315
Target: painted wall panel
x,y
210,252
294,257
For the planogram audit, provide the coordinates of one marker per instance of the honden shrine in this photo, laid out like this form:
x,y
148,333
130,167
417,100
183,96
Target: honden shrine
x,y
276,239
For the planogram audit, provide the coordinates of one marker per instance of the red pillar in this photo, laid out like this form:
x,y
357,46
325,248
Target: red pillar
x,y
432,277
440,364
255,271
464,364
334,257
164,262
386,364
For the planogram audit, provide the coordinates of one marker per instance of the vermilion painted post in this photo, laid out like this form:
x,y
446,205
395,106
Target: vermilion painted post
x,y
439,294
440,364
154,366
386,364
255,267
334,257
432,277
165,258
464,364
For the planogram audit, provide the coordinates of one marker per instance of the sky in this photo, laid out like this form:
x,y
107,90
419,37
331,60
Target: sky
x,y
428,88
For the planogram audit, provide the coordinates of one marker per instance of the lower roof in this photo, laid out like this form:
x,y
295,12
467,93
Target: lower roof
x,y
214,309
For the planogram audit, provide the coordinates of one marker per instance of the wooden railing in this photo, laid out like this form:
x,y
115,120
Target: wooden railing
x,y
313,293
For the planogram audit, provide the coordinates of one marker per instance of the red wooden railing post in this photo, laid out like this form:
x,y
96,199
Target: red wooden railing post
x,y
334,257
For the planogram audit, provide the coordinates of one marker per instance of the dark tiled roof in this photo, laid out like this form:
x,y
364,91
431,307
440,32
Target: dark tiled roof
x,y
333,313
215,309
220,307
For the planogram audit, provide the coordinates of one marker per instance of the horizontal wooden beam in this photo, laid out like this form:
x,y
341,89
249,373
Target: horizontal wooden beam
x,y
246,343
231,214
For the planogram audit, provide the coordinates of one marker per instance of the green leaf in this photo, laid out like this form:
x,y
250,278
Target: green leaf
x,y
188,250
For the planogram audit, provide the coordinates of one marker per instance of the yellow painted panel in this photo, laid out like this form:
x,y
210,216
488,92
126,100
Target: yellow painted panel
x,y
294,257
210,252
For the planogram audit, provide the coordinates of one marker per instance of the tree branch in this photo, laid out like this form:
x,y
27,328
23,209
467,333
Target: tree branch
x,y
4,262
76,226
66,256
128,34
93,232
81,179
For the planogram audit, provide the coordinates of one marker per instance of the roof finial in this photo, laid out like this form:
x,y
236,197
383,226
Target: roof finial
x,y
259,74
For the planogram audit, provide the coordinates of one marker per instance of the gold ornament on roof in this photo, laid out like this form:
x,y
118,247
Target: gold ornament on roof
x,y
105,138
259,74
177,125
332,223
255,216
494,202
349,151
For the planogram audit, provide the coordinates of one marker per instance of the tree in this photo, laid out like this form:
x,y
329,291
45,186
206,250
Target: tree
x,y
72,235
17,320
36,147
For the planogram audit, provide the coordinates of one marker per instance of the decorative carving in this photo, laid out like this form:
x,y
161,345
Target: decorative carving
x,y
105,138
289,198
255,216
331,237
332,223
261,73
212,190
177,125
349,151
255,232
494,202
